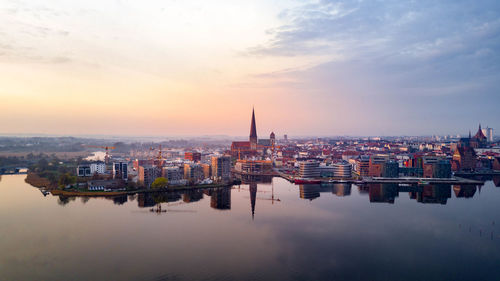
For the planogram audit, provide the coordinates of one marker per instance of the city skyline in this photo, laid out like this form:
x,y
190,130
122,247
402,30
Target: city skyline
x,y
327,68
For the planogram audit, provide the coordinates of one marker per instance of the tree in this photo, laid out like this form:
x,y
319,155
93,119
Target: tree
x,y
66,179
160,182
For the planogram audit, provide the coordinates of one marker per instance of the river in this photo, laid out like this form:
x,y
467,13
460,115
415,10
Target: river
x,y
258,231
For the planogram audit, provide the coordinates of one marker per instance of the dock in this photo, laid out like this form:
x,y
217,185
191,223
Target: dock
x,y
401,180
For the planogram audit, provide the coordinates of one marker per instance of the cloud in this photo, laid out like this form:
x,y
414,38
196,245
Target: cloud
x,y
439,42
393,58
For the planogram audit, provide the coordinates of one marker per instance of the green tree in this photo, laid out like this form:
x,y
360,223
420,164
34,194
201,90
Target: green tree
x,y
160,182
66,179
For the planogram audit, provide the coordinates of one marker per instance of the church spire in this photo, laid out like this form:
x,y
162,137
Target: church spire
x,y
253,129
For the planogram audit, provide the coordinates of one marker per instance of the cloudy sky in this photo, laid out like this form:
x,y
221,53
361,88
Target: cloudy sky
x,y
197,67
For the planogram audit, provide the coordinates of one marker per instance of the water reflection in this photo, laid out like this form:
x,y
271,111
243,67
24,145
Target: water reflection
x,y
315,232
432,194
464,191
220,198
496,181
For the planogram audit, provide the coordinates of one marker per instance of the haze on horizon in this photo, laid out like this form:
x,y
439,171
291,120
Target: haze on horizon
x,y
197,67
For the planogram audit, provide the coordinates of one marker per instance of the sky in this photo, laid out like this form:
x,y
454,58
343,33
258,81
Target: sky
x,y
317,68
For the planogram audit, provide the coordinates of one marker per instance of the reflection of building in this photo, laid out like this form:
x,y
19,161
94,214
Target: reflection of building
x,y
120,200
496,181
383,193
309,191
496,163
190,196
246,178
433,194
221,198
464,191
145,200
341,189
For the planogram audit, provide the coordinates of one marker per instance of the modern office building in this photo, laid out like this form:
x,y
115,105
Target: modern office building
x,y
309,169
362,166
442,169
325,171
147,175
174,175
97,168
193,172
192,156
376,165
120,170
489,134
390,169
221,167
207,170
342,169
83,171
254,167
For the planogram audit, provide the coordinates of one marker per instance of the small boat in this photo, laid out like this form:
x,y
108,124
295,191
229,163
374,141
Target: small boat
x,y
307,181
44,192
423,182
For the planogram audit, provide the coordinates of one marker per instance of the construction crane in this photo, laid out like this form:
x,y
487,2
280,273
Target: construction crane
x,y
107,148
159,157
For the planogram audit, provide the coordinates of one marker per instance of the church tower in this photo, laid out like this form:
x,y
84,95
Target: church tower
x,y
253,132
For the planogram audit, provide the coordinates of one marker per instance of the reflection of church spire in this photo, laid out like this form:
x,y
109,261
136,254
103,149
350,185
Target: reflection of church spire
x,y
253,197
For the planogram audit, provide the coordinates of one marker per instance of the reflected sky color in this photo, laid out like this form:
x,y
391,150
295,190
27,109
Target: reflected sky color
x,y
334,236
197,67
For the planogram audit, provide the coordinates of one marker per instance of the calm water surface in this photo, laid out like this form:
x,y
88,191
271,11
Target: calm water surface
x,y
341,232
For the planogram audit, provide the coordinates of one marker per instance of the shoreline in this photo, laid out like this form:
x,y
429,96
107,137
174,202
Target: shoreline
x,y
57,192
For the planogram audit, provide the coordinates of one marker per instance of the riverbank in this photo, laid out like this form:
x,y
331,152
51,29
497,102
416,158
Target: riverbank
x,y
58,192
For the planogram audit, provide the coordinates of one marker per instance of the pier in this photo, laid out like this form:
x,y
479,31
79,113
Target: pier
x,y
401,180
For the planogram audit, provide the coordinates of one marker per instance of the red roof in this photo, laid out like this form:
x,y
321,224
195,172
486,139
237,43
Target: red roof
x,y
240,144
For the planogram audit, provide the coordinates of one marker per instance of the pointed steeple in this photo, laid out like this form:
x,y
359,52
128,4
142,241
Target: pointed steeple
x,y
253,197
253,130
